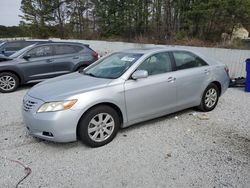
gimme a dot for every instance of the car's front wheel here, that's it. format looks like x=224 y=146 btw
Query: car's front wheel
x=9 y=82
x=210 y=98
x=98 y=126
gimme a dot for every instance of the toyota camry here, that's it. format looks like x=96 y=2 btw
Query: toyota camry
x=122 y=89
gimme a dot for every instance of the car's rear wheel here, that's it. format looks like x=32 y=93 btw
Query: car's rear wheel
x=210 y=98
x=98 y=126
x=9 y=82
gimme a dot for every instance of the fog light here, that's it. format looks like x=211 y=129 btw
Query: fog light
x=47 y=134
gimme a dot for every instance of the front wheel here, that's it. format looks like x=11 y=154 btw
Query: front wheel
x=210 y=98
x=9 y=82
x=98 y=126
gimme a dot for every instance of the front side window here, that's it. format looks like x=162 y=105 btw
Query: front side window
x=41 y=51
x=22 y=51
x=186 y=60
x=157 y=64
x=113 y=66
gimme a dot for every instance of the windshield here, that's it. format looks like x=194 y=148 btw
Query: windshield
x=20 y=52
x=112 y=66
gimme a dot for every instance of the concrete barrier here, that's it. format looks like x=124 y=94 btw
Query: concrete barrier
x=234 y=59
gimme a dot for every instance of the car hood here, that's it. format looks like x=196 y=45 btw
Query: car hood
x=4 y=59
x=63 y=87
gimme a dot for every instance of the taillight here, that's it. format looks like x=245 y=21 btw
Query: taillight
x=95 y=55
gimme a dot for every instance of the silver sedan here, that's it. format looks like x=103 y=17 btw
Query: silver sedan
x=122 y=89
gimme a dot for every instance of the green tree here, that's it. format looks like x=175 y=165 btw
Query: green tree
x=38 y=14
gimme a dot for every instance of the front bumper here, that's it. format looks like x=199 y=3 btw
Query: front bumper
x=58 y=126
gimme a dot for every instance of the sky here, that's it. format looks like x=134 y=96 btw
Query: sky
x=9 y=11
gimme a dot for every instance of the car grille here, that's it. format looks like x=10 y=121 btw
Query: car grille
x=28 y=105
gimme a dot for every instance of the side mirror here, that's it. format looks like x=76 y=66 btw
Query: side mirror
x=26 y=57
x=139 y=74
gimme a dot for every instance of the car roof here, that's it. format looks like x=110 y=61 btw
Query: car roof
x=55 y=42
x=154 y=50
x=45 y=42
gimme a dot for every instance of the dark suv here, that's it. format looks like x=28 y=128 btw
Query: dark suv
x=42 y=61
x=8 y=48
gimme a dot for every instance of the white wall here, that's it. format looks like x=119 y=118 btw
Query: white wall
x=234 y=59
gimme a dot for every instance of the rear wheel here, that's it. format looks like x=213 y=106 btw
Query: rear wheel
x=9 y=82
x=98 y=126
x=210 y=98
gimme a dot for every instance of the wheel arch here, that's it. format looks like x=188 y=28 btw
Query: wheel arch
x=218 y=84
x=15 y=73
x=110 y=104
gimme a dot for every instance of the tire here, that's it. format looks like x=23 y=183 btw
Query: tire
x=210 y=98
x=92 y=129
x=9 y=82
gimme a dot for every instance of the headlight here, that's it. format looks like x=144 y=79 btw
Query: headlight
x=56 y=106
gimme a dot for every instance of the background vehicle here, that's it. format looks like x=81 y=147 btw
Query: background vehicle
x=4 y=58
x=42 y=61
x=1 y=42
x=120 y=90
x=8 y=48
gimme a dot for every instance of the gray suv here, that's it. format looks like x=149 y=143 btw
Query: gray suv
x=38 y=62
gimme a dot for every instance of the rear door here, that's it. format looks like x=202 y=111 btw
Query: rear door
x=66 y=58
x=155 y=94
x=192 y=75
x=39 y=64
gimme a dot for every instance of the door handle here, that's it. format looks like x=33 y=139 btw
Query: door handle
x=171 y=79
x=76 y=57
x=206 y=71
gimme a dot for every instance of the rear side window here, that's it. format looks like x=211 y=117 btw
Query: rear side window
x=186 y=60
x=66 y=49
x=41 y=51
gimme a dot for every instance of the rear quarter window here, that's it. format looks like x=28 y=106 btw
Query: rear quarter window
x=66 y=49
x=78 y=48
x=186 y=60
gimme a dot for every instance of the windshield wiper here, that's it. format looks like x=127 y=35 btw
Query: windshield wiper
x=90 y=74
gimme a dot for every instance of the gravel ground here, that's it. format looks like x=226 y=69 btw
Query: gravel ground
x=179 y=150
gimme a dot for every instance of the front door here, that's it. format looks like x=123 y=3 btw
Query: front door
x=154 y=95
x=39 y=64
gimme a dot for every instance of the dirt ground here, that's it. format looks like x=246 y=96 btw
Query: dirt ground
x=179 y=150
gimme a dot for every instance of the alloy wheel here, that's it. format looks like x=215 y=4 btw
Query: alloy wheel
x=211 y=97
x=7 y=83
x=101 y=127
